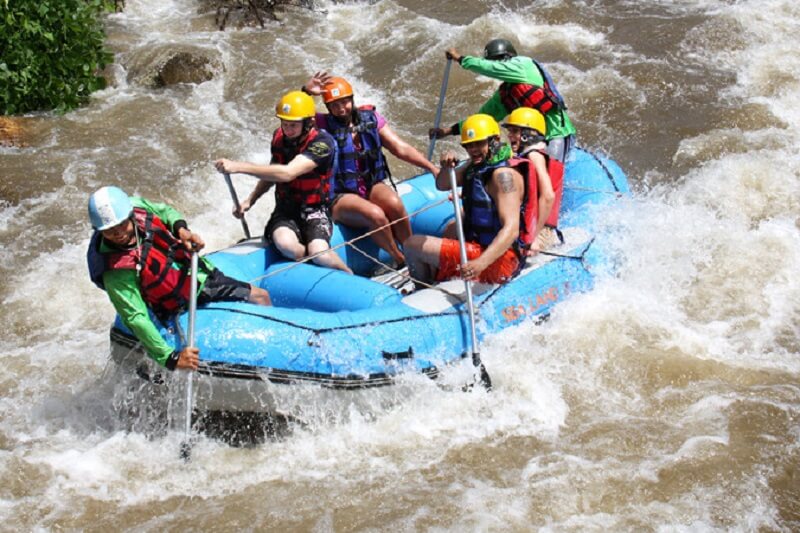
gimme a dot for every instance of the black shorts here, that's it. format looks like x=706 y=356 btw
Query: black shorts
x=307 y=224
x=221 y=288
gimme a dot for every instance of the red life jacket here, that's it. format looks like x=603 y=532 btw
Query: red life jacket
x=555 y=169
x=162 y=262
x=542 y=98
x=309 y=190
x=529 y=211
x=516 y=95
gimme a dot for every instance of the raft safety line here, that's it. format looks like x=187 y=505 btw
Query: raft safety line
x=284 y=377
x=603 y=166
x=347 y=243
x=331 y=329
x=318 y=331
x=580 y=256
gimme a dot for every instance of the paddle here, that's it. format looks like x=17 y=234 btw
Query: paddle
x=486 y=381
x=236 y=203
x=437 y=121
x=186 y=445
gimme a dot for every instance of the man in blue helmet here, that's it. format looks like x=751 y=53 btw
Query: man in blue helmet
x=140 y=254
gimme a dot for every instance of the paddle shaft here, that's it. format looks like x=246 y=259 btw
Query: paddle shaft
x=476 y=356
x=186 y=447
x=236 y=203
x=438 y=120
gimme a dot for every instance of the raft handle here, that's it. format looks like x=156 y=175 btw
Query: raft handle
x=394 y=356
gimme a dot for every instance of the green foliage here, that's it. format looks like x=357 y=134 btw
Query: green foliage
x=50 y=53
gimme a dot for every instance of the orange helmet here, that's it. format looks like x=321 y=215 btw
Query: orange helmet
x=335 y=89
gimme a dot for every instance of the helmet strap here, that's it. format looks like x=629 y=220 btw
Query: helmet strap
x=529 y=137
x=494 y=146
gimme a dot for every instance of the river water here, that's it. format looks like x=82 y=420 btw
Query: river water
x=666 y=399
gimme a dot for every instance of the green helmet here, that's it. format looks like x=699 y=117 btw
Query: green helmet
x=498 y=49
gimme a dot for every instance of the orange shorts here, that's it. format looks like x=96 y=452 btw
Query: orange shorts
x=498 y=272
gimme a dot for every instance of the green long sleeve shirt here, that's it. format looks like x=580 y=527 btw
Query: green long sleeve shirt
x=122 y=287
x=518 y=69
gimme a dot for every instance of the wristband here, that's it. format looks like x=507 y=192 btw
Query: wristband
x=303 y=88
x=172 y=360
x=455 y=129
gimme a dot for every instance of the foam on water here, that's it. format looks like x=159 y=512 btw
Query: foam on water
x=664 y=399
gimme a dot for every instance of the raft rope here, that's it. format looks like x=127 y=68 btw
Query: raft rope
x=404 y=274
x=581 y=256
x=416 y=281
x=352 y=242
x=599 y=191
x=603 y=166
x=318 y=331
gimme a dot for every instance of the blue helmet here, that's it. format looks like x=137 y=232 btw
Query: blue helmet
x=109 y=206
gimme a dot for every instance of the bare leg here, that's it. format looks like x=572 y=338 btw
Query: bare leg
x=387 y=199
x=356 y=212
x=259 y=296
x=330 y=259
x=422 y=256
x=288 y=244
x=450 y=231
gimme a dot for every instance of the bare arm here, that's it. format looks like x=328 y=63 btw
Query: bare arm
x=261 y=188
x=506 y=189
x=314 y=85
x=274 y=173
x=448 y=161
x=404 y=151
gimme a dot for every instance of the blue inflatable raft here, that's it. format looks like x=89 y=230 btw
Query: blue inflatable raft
x=331 y=336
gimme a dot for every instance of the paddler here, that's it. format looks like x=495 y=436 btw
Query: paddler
x=526 y=130
x=525 y=84
x=140 y=254
x=363 y=193
x=499 y=212
x=302 y=166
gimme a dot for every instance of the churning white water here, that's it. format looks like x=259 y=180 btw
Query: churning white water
x=665 y=399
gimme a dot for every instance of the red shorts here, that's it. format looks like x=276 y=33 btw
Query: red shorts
x=498 y=272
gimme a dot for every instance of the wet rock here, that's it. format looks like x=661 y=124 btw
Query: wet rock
x=251 y=13
x=185 y=67
x=12 y=132
x=166 y=66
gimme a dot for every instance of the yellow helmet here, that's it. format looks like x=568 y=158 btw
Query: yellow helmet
x=295 y=105
x=478 y=128
x=525 y=117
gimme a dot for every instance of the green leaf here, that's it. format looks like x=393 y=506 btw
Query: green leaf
x=51 y=50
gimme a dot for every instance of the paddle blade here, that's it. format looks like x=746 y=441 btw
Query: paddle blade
x=186 y=451
x=486 y=381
